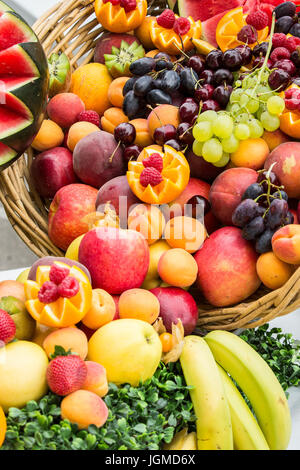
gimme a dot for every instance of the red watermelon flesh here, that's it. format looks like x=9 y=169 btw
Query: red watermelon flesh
x=10 y=122
x=10 y=83
x=14 y=31
x=15 y=61
x=6 y=154
x=209 y=28
x=205 y=9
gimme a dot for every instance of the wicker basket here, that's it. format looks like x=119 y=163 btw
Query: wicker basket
x=71 y=26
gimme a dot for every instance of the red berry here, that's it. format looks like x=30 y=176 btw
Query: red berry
x=291 y=43
x=89 y=116
x=247 y=34
x=166 y=19
x=68 y=288
x=128 y=5
x=280 y=53
x=279 y=40
x=7 y=327
x=154 y=161
x=182 y=26
x=268 y=9
x=292 y=103
x=114 y=2
x=66 y=374
x=58 y=273
x=48 y=293
x=258 y=19
x=150 y=176
x=292 y=93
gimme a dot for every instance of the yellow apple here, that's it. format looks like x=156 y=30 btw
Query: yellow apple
x=73 y=249
x=23 y=368
x=130 y=350
x=152 y=279
x=23 y=276
x=25 y=324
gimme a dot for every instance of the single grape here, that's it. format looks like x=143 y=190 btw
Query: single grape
x=277 y=212
x=275 y=105
x=231 y=144
x=223 y=126
x=253 y=191
x=279 y=80
x=203 y=131
x=289 y=219
x=269 y=121
x=197 y=148
x=223 y=161
x=264 y=242
x=236 y=95
x=212 y=150
x=252 y=106
x=256 y=128
x=232 y=59
x=244 y=213
x=252 y=230
x=244 y=99
x=242 y=131
x=207 y=116
x=281 y=195
x=214 y=59
x=264 y=93
x=243 y=118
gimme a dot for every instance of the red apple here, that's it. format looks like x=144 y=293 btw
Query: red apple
x=177 y=304
x=117 y=259
x=67 y=210
x=51 y=170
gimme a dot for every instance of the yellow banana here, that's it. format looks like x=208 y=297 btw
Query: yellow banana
x=247 y=434
x=258 y=382
x=214 y=431
x=190 y=442
x=183 y=441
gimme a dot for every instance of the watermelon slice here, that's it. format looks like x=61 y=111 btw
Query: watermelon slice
x=209 y=28
x=205 y=9
x=6 y=154
x=14 y=31
x=15 y=61
x=11 y=122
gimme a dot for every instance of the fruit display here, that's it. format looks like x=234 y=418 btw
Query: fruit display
x=169 y=165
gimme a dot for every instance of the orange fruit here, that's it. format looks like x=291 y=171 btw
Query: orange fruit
x=166 y=341
x=2 y=426
x=115 y=19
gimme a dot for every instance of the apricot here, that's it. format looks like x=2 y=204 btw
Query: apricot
x=12 y=288
x=156 y=250
x=252 y=153
x=49 y=136
x=111 y=118
x=143 y=138
x=273 y=272
x=84 y=408
x=139 y=304
x=178 y=268
x=143 y=33
x=152 y=53
x=148 y=220
x=96 y=380
x=286 y=244
x=102 y=311
x=68 y=338
x=78 y=131
x=185 y=232
x=275 y=138
x=161 y=115
x=64 y=109
x=115 y=91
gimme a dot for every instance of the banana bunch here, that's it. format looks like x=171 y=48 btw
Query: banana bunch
x=224 y=420
x=183 y=441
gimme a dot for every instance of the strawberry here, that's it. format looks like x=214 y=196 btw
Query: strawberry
x=7 y=327
x=66 y=374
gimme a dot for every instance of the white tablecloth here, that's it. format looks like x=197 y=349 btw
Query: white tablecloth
x=289 y=324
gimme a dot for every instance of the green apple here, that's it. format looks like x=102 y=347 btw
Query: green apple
x=130 y=350
x=25 y=324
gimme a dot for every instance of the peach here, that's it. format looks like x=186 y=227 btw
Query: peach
x=252 y=153
x=70 y=204
x=84 y=408
x=143 y=138
x=185 y=232
x=78 y=131
x=139 y=304
x=178 y=268
x=64 y=109
x=273 y=272
x=49 y=136
x=227 y=190
x=68 y=338
x=287 y=168
x=227 y=268
x=115 y=91
x=286 y=244
x=12 y=288
x=117 y=192
x=102 y=311
x=96 y=380
x=111 y=118
x=275 y=138
x=161 y=115
x=148 y=220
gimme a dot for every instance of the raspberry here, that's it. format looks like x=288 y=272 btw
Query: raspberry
x=291 y=43
x=292 y=93
x=181 y=26
x=58 y=273
x=258 y=19
x=69 y=287
x=128 y=5
x=113 y=2
x=48 y=293
x=66 y=374
x=89 y=116
x=268 y=9
x=154 y=161
x=166 y=19
x=150 y=176
x=247 y=34
x=7 y=327
x=292 y=103
x=279 y=40
x=280 y=53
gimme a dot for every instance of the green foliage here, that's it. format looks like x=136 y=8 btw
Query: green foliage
x=139 y=418
x=60 y=351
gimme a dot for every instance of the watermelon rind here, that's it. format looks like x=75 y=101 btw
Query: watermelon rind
x=22 y=31
x=6 y=154
x=4 y=7
x=19 y=60
x=6 y=116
